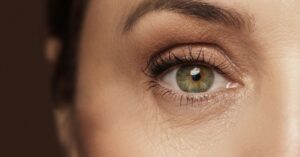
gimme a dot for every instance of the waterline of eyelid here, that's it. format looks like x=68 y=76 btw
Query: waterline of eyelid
x=200 y=98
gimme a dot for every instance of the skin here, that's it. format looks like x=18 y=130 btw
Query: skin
x=114 y=114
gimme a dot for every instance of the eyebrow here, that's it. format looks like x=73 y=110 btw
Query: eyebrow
x=192 y=8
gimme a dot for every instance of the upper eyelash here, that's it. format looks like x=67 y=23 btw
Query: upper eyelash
x=158 y=65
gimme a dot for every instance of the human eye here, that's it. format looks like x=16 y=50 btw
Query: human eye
x=195 y=75
x=196 y=78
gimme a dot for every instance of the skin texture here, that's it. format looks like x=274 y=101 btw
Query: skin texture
x=116 y=114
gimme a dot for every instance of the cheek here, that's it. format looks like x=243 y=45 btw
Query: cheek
x=111 y=111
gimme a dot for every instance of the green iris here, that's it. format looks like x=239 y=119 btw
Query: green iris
x=195 y=79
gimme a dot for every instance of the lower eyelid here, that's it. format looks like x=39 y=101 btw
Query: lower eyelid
x=176 y=103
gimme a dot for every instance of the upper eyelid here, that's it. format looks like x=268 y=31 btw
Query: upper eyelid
x=171 y=55
x=208 y=55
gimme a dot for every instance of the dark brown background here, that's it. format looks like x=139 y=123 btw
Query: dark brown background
x=26 y=128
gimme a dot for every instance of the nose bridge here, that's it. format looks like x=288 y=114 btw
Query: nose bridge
x=286 y=78
x=290 y=101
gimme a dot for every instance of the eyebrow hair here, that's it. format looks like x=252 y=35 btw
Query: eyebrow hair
x=193 y=8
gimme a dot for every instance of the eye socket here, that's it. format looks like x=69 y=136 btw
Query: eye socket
x=195 y=79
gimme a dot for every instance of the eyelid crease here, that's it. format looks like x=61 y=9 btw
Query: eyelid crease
x=162 y=35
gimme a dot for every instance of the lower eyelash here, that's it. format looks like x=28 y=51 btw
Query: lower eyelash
x=170 y=93
x=187 y=99
x=185 y=109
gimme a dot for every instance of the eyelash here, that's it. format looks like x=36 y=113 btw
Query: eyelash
x=158 y=67
x=158 y=64
x=208 y=55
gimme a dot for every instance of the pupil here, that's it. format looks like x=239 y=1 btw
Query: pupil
x=196 y=77
x=196 y=74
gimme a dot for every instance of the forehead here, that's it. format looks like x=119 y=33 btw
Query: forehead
x=275 y=21
x=284 y=11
